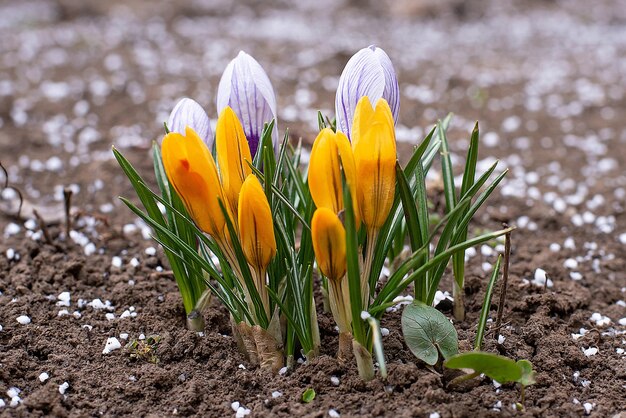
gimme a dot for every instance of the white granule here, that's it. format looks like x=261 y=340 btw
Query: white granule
x=63 y=387
x=112 y=344
x=334 y=380
x=570 y=263
x=591 y=351
x=600 y=319
x=116 y=262
x=64 y=299
x=23 y=319
x=43 y=377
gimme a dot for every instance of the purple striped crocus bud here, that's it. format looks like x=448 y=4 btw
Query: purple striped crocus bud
x=368 y=73
x=245 y=87
x=188 y=112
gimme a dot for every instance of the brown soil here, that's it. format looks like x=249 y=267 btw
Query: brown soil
x=190 y=374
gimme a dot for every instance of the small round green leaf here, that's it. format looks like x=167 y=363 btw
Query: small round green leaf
x=528 y=375
x=308 y=395
x=427 y=332
x=498 y=368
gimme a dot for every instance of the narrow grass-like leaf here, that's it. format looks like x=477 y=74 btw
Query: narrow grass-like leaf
x=377 y=342
x=394 y=287
x=244 y=269
x=469 y=174
x=409 y=209
x=353 y=272
x=484 y=312
x=446 y=170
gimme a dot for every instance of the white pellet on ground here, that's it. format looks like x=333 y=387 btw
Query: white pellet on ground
x=334 y=380
x=63 y=387
x=570 y=263
x=600 y=319
x=64 y=299
x=591 y=351
x=540 y=278
x=23 y=319
x=333 y=413
x=112 y=344
x=43 y=377
x=276 y=394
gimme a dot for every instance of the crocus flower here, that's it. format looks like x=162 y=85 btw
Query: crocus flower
x=233 y=155
x=188 y=112
x=330 y=154
x=256 y=227
x=245 y=87
x=374 y=146
x=368 y=73
x=329 y=243
x=190 y=168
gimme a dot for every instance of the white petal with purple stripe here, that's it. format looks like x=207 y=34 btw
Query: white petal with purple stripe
x=188 y=112
x=245 y=87
x=368 y=73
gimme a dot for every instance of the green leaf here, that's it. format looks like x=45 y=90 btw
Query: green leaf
x=377 y=340
x=528 y=375
x=428 y=333
x=446 y=170
x=308 y=395
x=498 y=368
x=484 y=312
x=353 y=271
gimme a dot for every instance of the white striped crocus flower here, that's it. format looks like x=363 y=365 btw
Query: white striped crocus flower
x=188 y=112
x=368 y=73
x=246 y=88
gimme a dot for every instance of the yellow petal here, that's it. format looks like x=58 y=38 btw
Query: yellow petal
x=256 y=227
x=349 y=169
x=375 y=160
x=233 y=154
x=324 y=172
x=191 y=170
x=329 y=243
x=363 y=115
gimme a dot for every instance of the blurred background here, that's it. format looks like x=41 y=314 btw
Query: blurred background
x=546 y=80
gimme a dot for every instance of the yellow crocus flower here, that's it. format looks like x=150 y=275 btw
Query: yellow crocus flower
x=329 y=243
x=233 y=154
x=374 y=146
x=331 y=152
x=190 y=168
x=256 y=227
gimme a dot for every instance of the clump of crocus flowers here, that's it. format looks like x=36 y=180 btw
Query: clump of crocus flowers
x=244 y=222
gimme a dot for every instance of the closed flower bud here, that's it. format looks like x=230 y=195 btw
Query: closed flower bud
x=233 y=155
x=256 y=228
x=330 y=154
x=375 y=157
x=245 y=87
x=188 y=112
x=191 y=170
x=368 y=73
x=329 y=243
